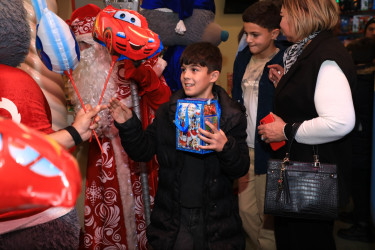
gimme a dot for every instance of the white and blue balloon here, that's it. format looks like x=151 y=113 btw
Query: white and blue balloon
x=55 y=42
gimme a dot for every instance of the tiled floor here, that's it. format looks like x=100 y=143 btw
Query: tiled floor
x=342 y=244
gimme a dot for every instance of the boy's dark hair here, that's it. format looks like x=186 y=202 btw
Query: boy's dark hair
x=204 y=54
x=263 y=13
x=372 y=20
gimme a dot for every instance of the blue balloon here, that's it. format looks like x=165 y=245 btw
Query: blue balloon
x=56 y=44
x=39 y=6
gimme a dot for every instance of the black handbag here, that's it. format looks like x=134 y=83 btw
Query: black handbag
x=301 y=189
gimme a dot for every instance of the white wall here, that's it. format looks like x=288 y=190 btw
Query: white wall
x=233 y=24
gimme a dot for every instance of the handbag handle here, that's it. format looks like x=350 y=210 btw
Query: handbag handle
x=295 y=127
x=283 y=180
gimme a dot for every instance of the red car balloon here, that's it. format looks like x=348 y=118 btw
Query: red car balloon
x=35 y=172
x=125 y=33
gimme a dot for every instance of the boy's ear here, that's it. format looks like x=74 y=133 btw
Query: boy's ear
x=214 y=75
x=275 y=33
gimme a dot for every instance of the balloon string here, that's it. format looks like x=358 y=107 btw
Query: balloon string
x=114 y=59
x=83 y=105
x=75 y=88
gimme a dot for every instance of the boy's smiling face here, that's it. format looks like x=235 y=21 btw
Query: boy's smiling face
x=259 y=39
x=197 y=82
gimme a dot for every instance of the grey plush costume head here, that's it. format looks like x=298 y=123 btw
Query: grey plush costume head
x=14 y=33
x=200 y=27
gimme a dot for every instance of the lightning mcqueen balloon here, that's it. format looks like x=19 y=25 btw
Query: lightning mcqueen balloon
x=35 y=172
x=125 y=33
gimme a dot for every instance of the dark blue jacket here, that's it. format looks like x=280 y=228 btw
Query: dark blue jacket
x=184 y=8
x=265 y=99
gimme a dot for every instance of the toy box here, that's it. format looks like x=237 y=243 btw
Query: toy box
x=191 y=114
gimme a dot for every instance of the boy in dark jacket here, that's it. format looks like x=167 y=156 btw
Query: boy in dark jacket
x=195 y=207
x=253 y=88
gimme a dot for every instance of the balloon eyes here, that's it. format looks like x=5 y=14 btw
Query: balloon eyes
x=39 y=165
x=128 y=17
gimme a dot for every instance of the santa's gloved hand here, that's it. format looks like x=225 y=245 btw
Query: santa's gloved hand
x=180 y=28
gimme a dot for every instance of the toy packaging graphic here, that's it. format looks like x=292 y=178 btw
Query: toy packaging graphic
x=191 y=114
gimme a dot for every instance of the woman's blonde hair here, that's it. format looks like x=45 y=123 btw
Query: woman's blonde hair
x=308 y=16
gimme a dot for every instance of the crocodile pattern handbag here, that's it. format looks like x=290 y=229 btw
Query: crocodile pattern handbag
x=301 y=189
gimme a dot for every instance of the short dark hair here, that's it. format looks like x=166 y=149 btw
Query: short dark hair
x=372 y=20
x=204 y=54
x=362 y=50
x=263 y=13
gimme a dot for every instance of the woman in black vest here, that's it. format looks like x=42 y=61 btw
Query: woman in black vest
x=314 y=89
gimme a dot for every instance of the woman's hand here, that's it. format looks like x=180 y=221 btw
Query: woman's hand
x=275 y=73
x=272 y=132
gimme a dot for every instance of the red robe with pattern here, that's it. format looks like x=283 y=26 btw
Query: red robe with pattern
x=105 y=218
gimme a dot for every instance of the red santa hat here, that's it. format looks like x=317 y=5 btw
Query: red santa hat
x=82 y=22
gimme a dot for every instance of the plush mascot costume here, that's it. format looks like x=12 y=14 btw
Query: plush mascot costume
x=51 y=83
x=22 y=100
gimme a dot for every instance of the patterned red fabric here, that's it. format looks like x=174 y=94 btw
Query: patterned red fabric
x=82 y=20
x=104 y=215
x=151 y=87
x=152 y=171
x=104 y=212
x=104 y=221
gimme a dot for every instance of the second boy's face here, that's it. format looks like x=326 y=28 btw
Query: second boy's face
x=197 y=82
x=259 y=39
x=370 y=31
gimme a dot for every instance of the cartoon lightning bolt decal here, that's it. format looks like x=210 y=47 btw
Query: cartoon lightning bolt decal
x=11 y=108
